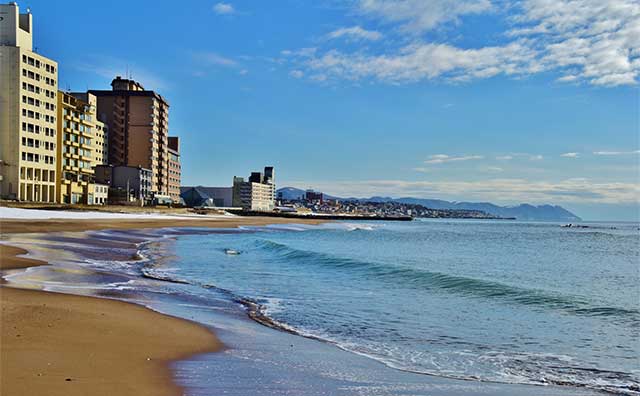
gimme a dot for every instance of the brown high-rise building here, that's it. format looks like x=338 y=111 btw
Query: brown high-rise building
x=138 y=129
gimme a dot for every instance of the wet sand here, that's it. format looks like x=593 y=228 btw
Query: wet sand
x=60 y=344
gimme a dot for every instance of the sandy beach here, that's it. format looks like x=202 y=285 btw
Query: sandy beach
x=59 y=344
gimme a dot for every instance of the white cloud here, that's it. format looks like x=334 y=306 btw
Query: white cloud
x=570 y=155
x=592 y=41
x=296 y=73
x=418 y=16
x=354 y=33
x=223 y=9
x=425 y=61
x=616 y=152
x=504 y=157
x=443 y=158
x=577 y=190
x=213 y=59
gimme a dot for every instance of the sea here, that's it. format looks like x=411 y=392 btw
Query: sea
x=378 y=308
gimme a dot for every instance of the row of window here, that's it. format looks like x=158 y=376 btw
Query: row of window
x=29 y=142
x=77 y=139
x=36 y=102
x=76 y=114
x=28 y=127
x=76 y=126
x=77 y=163
x=36 y=62
x=36 y=115
x=37 y=77
x=77 y=151
x=37 y=174
x=37 y=90
x=32 y=157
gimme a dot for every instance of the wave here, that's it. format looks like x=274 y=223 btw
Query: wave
x=461 y=285
x=518 y=368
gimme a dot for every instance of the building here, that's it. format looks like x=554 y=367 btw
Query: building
x=80 y=147
x=28 y=102
x=207 y=196
x=100 y=194
x=99 y=130
x=127 y=183
x=138 y=122
x=313 y=196
x=174 y=168
x=258 y=193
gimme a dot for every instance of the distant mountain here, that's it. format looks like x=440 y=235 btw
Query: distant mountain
x=520 y=212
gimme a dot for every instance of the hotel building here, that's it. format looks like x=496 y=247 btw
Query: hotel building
x=256 y=194
x=80 y=146
x=28 y=102
x=138 y=122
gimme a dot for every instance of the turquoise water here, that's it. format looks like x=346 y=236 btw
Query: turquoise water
x=490 y=301
x=530 y=303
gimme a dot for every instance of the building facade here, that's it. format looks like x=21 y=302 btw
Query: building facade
x=28 y=102
x=127 y=183
x=75 y=149
x=256 y=194
x=174 y=168
x=138 y=122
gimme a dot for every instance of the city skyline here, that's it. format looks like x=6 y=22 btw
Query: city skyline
x=468 y=100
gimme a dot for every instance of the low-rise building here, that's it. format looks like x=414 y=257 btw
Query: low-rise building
x=256 y=194
x=207 y=196
x=100 y=194
x=128 y=183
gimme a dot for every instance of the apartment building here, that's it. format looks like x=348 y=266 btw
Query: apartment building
x=28 y=112
x=174 y=168
x=138 y=122
x=258 y=193
x=79 y=148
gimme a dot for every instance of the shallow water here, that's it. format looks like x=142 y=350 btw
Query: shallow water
x=506 y=302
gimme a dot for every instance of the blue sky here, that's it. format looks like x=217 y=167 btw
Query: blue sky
x=504 y=101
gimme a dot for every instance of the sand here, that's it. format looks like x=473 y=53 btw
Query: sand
x=59 y=344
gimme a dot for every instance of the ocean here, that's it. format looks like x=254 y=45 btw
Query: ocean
x=485 y=302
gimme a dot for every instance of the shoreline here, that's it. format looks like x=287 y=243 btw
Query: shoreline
x=64 y=344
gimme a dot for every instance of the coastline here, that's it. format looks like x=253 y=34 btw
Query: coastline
x=62 y=344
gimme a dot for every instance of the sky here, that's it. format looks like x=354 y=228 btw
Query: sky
x=506 y=101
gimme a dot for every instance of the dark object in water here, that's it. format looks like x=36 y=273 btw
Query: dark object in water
x=231 y=252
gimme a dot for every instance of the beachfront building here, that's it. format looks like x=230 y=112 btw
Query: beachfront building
x=256 y=194
x=28 y=127
x=174 y=168
x=138 y=122
x=80 y=137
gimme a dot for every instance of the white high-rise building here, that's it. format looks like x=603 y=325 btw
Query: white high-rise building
x=28 y=101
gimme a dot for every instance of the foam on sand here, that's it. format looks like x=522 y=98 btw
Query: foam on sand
x=38 y=214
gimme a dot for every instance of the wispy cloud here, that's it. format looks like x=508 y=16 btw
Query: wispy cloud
x=443 y=158
x=504 y=157
x=585 y=41
x=417 y=16
x=296 y=73
x=109 y=67
x=209 y=58
x=576 y=190
x=616 y=152
x=354 y=33
x=570 y=155
x=223 y=9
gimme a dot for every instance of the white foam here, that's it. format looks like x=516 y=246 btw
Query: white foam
x=37 y=214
